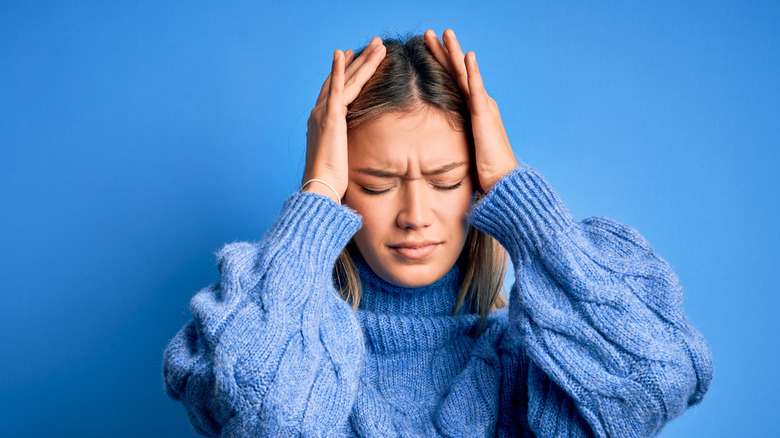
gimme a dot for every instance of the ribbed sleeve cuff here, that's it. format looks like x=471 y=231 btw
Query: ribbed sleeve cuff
x=314 y=228
x=521 y=211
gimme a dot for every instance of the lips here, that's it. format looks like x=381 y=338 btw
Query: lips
x=414 y=250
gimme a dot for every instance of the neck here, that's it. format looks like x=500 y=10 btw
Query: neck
x=437 y=298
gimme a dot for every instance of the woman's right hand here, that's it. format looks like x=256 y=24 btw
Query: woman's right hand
x=326 y=135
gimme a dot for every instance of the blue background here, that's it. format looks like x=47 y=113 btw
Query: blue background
x=138 y=139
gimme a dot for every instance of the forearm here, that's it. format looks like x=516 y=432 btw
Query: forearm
x=598 y=311
x=266 y=341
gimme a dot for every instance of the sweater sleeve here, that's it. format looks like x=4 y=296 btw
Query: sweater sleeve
x=598 y=313
x=272 y=350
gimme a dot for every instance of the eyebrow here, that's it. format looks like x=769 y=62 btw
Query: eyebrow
x=385 y=174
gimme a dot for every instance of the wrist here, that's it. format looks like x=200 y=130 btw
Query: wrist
x=321 y=188
x=488 y=182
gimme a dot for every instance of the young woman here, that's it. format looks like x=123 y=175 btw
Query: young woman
x=371 y=306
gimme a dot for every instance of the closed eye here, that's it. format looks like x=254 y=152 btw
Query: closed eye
x=452 y=187
x=437 y=187
x=374 y=192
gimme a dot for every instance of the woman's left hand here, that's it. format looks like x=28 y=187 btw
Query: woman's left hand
x=494 y=156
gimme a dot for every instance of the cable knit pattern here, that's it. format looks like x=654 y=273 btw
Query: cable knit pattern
x=595 y=341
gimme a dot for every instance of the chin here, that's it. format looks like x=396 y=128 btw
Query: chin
x=413 y=276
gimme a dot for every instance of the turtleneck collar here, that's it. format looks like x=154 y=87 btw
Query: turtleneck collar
x=437 y=298
x=397 y=319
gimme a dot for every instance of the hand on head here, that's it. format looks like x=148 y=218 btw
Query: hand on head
x=326 y=153
x=326 y=144
x=493 y=153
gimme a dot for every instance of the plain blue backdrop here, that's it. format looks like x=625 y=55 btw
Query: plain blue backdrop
x=139 y=138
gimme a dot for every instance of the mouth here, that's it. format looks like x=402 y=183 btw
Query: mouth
x=414 y=250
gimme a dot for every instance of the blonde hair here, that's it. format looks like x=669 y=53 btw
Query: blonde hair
x=408 y=79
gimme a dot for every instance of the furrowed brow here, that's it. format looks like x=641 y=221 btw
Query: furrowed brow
x=379 y=173
x=446 y=168
x=385 y=174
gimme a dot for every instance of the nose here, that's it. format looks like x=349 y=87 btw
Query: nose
x=415 y=211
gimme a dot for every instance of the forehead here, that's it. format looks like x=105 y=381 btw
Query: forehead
x=419 y=140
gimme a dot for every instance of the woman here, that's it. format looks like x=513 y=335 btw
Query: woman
x=371 y=306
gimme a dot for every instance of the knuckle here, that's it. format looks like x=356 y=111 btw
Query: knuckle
x=316 y=113
x=331 y=121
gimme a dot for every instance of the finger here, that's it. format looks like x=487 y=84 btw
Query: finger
x=323 y=90
x=354 y=84
x=480 y=100
x=363 y=57
x=438 y=49
x=336 y=89
x=457 y=60
x=477 y=92
x=348 y=57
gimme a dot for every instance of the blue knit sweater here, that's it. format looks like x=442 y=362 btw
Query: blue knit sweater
x=594 y=342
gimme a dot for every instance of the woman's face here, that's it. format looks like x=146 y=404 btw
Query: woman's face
x=410 y=179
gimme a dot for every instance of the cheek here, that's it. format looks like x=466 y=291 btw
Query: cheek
x=459 y=206
x=375 y=220
x=458 y=211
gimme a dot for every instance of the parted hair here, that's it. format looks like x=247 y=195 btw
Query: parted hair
x=408 y=79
